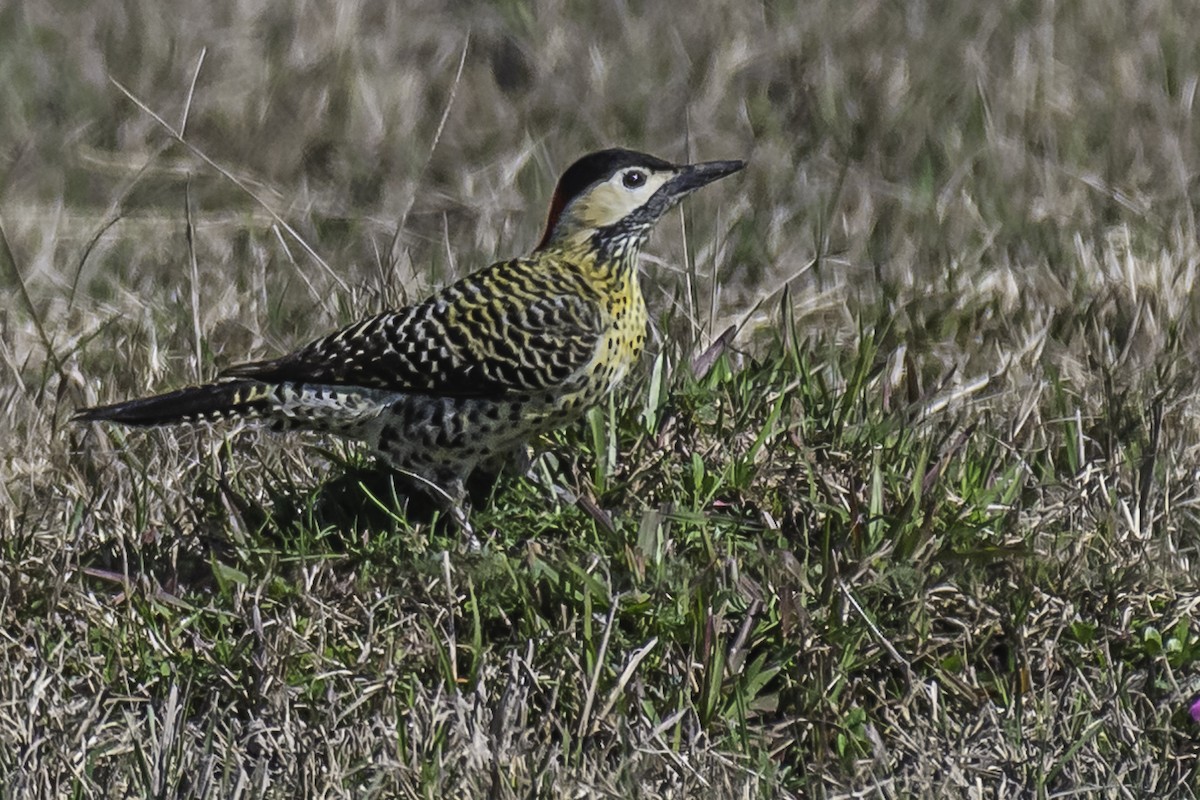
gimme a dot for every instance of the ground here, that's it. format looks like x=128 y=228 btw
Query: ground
x=902 y=502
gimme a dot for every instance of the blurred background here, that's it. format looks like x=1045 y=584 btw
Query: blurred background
x=959 y=170
x=988 y=155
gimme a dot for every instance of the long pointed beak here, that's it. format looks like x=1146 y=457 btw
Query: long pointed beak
x=692 y=176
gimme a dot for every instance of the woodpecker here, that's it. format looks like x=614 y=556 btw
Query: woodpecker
x=463 y=380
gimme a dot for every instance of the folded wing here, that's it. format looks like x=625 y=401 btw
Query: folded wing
x=490 y=334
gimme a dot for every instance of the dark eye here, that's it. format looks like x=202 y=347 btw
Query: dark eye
x=634 y=178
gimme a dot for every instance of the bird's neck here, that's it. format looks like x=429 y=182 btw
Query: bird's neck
x=604 y=255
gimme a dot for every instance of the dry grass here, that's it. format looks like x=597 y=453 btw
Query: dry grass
x=929 y=528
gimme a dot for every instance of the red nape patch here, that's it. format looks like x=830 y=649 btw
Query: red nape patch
x=589 y=170
x=557 y=204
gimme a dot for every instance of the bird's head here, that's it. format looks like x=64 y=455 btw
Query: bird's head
x=617 y=195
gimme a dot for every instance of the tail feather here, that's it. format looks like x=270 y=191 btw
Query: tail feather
x=213 y=401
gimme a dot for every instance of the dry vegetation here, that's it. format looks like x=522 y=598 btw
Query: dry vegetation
x=928 y=528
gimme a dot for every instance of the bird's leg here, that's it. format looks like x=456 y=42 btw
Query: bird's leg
x=516 y=461
x=453 y=495
x=520 y=460
x=446 y=489
x=450 y=492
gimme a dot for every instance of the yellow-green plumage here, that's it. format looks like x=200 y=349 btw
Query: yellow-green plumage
x=464 y=378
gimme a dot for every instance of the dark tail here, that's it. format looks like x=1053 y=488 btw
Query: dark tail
x=212 y=401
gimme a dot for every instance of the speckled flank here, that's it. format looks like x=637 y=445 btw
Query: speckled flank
x=465 y=378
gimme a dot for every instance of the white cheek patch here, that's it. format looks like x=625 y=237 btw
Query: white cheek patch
x=612 y=201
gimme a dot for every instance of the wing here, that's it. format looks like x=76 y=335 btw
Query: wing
x=505 y=329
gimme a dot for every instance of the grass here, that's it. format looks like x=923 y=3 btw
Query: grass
x=924 y=524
